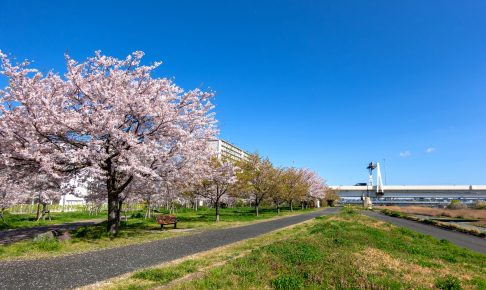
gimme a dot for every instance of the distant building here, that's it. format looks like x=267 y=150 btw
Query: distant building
x=69 y=199
x=224 y=149
x=77 y=198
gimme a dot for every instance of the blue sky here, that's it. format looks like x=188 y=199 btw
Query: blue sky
x=330 y=85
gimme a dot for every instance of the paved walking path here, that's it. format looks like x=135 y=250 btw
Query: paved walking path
x=15 y=235
x=461 y=239
x=83 y=269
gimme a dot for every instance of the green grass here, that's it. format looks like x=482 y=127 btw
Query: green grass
x=190 y=218
x=135 y=230
x=13 y=221
x=164 y=275
x=349 y=251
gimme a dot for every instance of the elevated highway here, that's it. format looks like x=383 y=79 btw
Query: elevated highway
x=413 y=194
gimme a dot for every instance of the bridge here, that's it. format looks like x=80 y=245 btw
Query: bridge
x=412 y=194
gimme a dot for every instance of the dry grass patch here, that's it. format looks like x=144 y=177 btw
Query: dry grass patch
x=481 y=223
x=377 y=224
x=377 y=262
x=439 y=212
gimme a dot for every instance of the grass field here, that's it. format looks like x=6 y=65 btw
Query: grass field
x=345 y=251
x=135 y=230
x=14 y=221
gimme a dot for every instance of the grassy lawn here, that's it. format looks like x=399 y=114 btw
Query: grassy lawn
x=136 y=230
x=14 y=221
x=345 y=251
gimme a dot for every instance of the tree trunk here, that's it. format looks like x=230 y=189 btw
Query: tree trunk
x=291 y=206
x=217 y=211
x=257 y=207
x=42 y=213
x=147 y=212
x=38 y=208
x=278 y=208
x=118 y=213
x=112 y=226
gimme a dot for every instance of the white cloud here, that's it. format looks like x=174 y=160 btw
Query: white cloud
x=430 y=150
x=405 y=153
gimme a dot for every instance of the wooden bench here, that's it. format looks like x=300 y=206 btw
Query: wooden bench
x=166 y=219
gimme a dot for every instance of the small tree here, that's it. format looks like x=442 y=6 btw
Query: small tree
x=332 y=197
x=294 y=187
x=277 y=190
x=255 y=179
x=315 y=186
x=220 y=179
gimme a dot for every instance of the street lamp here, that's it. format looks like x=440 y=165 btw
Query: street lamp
x=367 y=199
x=370 y=168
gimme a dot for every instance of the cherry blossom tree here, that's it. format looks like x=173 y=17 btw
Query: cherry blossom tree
x=254 y=179
x=220 y=178
x=277 y=183
x=108 y=117
x=331 y=196
x=294 y=187
x=10 y=192
x=26 y=181
x=315 y=186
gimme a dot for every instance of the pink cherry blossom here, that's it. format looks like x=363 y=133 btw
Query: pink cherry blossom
x=107 y=117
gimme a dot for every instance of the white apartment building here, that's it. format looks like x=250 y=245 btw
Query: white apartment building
x=224 y=149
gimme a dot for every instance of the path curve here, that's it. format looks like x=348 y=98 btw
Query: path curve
x=460 y=239
x=83 y=269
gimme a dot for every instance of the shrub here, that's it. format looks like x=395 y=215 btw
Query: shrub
x=456 y=204
x=448 y=283
x=392 y=213
x=479 y=204
x=138 y=215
